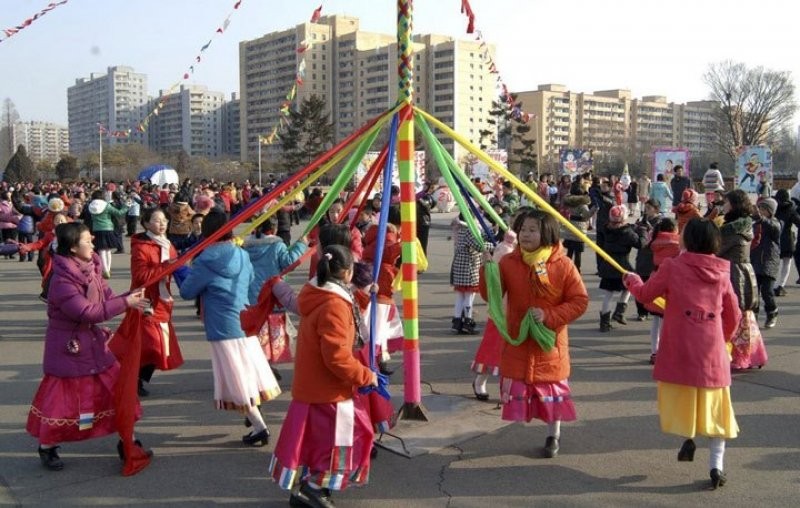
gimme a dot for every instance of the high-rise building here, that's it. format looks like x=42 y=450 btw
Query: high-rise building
x=355 y=72
x=191 y=119
x=231 y=141
x=42 y=140
x=117 y=100
x=612 y=121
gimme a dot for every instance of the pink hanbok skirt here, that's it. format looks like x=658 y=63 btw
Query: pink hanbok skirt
x=548 y=402
x=325 y=444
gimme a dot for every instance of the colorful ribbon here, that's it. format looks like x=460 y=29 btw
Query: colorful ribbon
x=10 y=32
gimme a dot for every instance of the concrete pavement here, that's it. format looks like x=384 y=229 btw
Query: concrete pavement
x=613 y=455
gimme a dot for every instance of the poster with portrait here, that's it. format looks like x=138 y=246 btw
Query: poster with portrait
x=370 y=157
x=575 y=161
x=665 y=160
x=753 y=168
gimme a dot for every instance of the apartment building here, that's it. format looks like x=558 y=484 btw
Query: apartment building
x=231 y=141
x=42 y=140
x=191 y=119
x=355 y=72
x=611 y=120
x=117 y=99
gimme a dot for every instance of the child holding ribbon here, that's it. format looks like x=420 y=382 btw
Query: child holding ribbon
x=544 y=294
x=326 y=439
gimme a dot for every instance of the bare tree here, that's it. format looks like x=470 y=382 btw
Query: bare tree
x=10 y=118
x=752 y=101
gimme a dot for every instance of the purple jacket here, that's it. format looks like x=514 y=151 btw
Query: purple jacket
x=77 y=301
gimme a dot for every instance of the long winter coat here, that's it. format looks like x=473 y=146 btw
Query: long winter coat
x=700 y=316
x=644 y=256
x=563 y=299
x=104 y=214
x=78 y=300
x=789 y=218
x=618 y=244
x=578 y=213
x=146 y=262
x=765 y=257
x=467 y=259
x=269 y=256
x=735 y=247
x=661 y=192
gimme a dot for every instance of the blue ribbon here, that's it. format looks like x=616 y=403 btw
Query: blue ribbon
x=477 y=213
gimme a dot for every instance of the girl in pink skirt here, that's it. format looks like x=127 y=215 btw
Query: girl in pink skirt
x=326 y=438
x=542 y=287
x=487 y=357
x=75 y=400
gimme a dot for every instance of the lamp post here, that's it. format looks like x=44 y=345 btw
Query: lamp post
x=100 y=135
x=259 y=162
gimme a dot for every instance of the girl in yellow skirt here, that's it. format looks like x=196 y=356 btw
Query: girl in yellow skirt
x=693 y=366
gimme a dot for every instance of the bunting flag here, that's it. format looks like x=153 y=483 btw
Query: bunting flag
x=9 y=32
x=284 y=111
x=142 y=127
x=514 y=110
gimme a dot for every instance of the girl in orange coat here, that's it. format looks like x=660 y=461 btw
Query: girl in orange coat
x=326 y=439
x=540 y=281
x=149 y=252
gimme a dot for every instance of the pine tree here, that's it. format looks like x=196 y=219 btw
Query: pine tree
x=67 y=168
x=524 y=153
x=498 y=135
x=20 y=168
x=184 y=163
x=309 y=134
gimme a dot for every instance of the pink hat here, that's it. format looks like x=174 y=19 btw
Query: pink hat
x=203 y=203
x=617 y=214
x=690 y=196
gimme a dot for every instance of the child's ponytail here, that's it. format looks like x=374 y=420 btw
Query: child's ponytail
x=335 y=260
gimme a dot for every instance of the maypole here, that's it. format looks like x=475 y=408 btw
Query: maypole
x=412 y=407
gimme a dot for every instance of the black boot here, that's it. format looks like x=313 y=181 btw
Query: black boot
x=50 y=458
x=686 y=453
x=457 y=325
x=253 y=439
x=619 y=313
x=468 y=326
x=718 y=478
x=317 y=498
x=141 y=390
x=384 y=369
x=605 y=322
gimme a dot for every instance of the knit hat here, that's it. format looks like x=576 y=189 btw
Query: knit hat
x=617 y=214
x=55 y=205
x=203 y=203
x=690 y=196
x=770 y=204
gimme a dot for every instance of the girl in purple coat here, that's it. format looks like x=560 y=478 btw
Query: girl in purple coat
x=693 y=370
x=75 y=398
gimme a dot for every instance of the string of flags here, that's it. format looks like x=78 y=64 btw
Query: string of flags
x=164 y=99
x=10 y=32
x=112 y=134
x=515 y=110
x=286 y=104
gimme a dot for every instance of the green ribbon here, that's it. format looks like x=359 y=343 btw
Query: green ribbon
x=529 y=327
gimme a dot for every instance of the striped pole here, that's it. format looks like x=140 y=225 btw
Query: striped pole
x=412 y=407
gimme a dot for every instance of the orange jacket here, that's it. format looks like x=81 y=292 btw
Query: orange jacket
x=563 y=300
x=325 y=368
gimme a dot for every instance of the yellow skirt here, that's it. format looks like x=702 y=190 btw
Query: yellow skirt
x=688 y=411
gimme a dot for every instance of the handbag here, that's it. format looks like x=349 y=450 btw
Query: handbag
x=745 y=335
x=268 y=321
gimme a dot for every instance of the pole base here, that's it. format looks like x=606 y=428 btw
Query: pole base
x=413 y=411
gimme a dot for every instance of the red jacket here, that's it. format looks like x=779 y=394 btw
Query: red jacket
x=392 y=249
x=325 y=368
x=665 y=245
x=563 y=300
x=701 y=314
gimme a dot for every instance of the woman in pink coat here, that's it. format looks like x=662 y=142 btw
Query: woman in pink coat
x=75 y=398
x=693 y=369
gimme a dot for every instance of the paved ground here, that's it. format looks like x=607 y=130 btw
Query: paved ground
x=613 y=455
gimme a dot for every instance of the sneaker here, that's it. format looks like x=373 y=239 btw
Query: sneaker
x=772 y=320
x=641 y=317
x=780 y=291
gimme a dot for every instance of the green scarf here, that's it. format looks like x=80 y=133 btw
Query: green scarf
x=529 y=327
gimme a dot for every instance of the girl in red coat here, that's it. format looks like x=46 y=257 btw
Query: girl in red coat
x=693 y=370
x=326 y=439
x=149 y=252
x=543 y=286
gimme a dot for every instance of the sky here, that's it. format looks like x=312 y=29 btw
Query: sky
x=651 y=47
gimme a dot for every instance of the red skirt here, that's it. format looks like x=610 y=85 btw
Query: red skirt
x=487 y=357
x=326 y=444
x=548 y=402
x=74 y=408
x=381 y=411
x=160 y=345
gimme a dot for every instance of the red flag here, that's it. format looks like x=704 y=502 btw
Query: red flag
x=317 y=14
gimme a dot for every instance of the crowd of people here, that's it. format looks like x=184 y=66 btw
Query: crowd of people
x=736 y=256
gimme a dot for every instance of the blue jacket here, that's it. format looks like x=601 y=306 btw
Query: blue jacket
x=220 y=276
x=269 y=256
x=661 y=192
